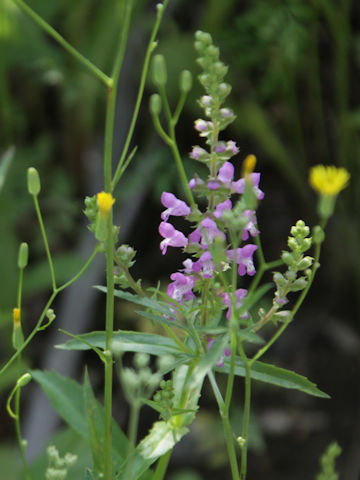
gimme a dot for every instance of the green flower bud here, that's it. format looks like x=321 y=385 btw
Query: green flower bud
x=24 y=380
x=185 y=81
x=155 y=104
x=23 y=255
x=299 y=284
x=141 y=360
x=318 y=234
x=213 y=52
x=159 y=70
x=279 y=279
x=203 y=37
x=33 y=181
x=305 y=263
x=287 y=258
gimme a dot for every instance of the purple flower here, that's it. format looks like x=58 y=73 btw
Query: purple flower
x=244 y=259
x=221 y=207
x=207 y=265
x=194 y=182
x=239 y=185
x=209 y=231
x=181 y=287
x=213 y=185
x=250 y=227
x=172 y=237
x=195 y=236
x=240 y=294
x=198 y=152
x=174 y=206
x=231 y=145
x=226 y=172
x=220 y=147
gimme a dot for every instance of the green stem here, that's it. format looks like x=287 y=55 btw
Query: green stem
x=132 y=432
x=42 y=316
x=66 y=45
x=144 y=72
x=18 y=427
x=246 y=417
x=21 y=275
x=109 y=326
x=45 y=240
x=162 y=465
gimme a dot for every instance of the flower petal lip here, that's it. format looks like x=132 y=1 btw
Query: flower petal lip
x=328 y=180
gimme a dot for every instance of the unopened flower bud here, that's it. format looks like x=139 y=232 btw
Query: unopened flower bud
x=17 y=335
x=203 y=37
x=318 y=234
x=141 y=360
x=305 y=263
x=33 y=181
x=155 y=104
x=249 y=165
x=185 y=81
x=24 y=380
x=159 y=70
x=299 y=284
x=23 y=255
x=287 y=258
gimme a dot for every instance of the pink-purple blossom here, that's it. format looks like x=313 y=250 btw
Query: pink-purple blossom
x=221 y=207
x=172 y=237
x=227 y=352
x=209 y=231
x=250 y=227
x=239 y=185
x=181 y=287
x=244 y=259
x=174 y=206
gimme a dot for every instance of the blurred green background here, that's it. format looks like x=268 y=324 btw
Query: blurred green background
x=294 y=69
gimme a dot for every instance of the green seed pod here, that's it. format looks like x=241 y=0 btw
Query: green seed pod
x=185 y=81
x=155 y=104
x=33 y=181
x=159 y=70
x=305 y=263
x=23 y=255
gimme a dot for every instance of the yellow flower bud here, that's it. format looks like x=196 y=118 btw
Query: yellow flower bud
x=105 y=202
x=249 y=165
x=16 y=316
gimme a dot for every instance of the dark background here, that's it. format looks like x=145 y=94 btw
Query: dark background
x=294 y=69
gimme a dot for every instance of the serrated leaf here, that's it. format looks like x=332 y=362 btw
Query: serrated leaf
x=128 y=341
x=162 y=437
x=281 y=377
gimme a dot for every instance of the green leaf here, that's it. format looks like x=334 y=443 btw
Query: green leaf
x=162 y=437
x=95 y=422
x=143 y=301
x=128 y=341
x=5 y=162
x=66 y=396
x=280 y=377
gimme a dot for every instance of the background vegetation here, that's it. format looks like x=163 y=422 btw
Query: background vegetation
x=294 y=67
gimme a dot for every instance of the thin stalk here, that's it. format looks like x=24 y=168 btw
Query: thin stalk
x=246 y=417
x=81 y=271
x=144 y=72
x=162 y=465
x=45 y=240
x=65 y=44
x=109 y=326
x=132 y=432
x=18 y=427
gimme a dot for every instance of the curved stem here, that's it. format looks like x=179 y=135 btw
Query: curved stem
x=65 y=44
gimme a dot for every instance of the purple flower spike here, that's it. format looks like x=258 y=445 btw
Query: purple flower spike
x=226 y=173
x=209 y=231
x=172 y=237
x=221 y=207
x=244 y=259
x=174 y=206
x=181 y=287
x=240 y=294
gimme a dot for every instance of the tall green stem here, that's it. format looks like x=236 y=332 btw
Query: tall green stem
x=66 y=45
x=246 y=417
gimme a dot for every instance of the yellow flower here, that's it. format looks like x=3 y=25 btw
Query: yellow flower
x=248 y=165
x=328 y=180
x=105 y=201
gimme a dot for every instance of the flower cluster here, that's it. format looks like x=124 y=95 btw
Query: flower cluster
x=215 y=242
